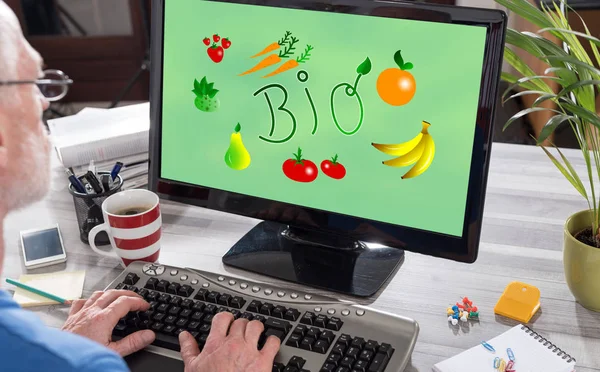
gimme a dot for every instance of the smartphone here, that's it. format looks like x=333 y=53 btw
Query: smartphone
x=42 y=247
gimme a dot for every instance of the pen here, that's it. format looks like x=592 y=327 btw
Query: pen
x=488 y=346
x=116 y=169
x=96 y=185
x=75 y=182
x=38 y=292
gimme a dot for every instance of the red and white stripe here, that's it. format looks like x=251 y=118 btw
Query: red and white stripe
x=137 y=238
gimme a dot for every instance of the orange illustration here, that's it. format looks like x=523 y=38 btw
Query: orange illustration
x=397 y=86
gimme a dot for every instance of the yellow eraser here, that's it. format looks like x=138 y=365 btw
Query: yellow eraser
x=520 y=301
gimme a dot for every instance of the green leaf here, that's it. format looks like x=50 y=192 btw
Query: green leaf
x=574 y=174
x=510 y=78
x=584 y=114
x=541 y=99
x=398 y=59
x=528 y=111
x=590 y=38
x=576 y=85
x=562 y=169
x=526 y=10
x=213 y=93
x=523 y=93
x=407 y=66
x=238 y=127
x=210 y=87
x=533 y=80
x=551 y=126
x=203 y=85
x=365 y=67
x=197 y=85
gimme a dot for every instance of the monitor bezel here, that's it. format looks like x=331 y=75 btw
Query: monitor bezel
x=463 y=248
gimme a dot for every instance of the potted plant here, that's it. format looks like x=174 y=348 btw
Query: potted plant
x=572 y=69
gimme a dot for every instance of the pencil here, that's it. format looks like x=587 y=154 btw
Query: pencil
x=38 y=292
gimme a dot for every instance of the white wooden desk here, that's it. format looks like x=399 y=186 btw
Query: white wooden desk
x=527 y=203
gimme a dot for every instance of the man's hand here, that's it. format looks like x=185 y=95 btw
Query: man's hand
x=96 y=318
x=236 y=351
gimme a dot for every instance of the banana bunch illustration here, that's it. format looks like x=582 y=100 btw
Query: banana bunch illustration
x=418 y=151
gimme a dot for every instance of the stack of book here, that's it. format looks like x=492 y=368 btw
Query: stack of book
x=105 y=136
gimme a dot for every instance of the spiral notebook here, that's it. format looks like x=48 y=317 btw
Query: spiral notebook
x=533 y=353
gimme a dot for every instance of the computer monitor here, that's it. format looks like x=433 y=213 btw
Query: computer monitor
x=354 y=129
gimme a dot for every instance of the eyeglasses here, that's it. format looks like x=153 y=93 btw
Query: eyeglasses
x=54 y=85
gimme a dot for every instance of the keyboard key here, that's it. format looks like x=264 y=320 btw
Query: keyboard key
x=247 y=315
x=358 y=342
x=195 y=334
x=159 y=317
x=170 y=319
x=260 y=318
x=291 y=314
x=176 y=301
x=198 y=306
x=281 y=325
x=353 y=352
x=379 y=363
x=290 y=369
x=194 y=326
x=386 y=349
x=169 y=329
x=237 y=302
x=339 y=349
x=208 y=318
x=197 y=316
x=278 y=311
x=163 y=308
x=335 y=324
x=151 y=283
x=333 y=359
x=321 y=346
x=327 y=336
x=328 y=367
x=314 y=333
x=266 y=309
x=345 y=339
x=347 y=362
x=307 y=318
x=146 y=314
x=278 y=367
x=143 y=292
x=167 y=341
x=275 y=332
x=157 y=327
x=307 y=343
x=210 y=309
x=254 y=306
x=120 y=329
x=202 y=339
x=204 y=328
x=294 y=340
x=222 y=309
x=360 y=366
x=321 y=321
x=185 y=313
x=297 y=362
x=120 y=286
x=185 y=291
x=213 y=297
x=152 y=296
x=153 y=305
x=300 y=330
x=224 y=299
x=173 y=288
x=236 y=314
x=175 y=310
x=178 y=331
x=371 y=346
x=162 y=285
x=131 y=279
x=164 y=298
x=187 y=303
x=201 y=295
x=144 y=324
x=342 y=369
x=366 y=355
x=182 y=322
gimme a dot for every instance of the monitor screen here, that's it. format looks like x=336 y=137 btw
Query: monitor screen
x=364 y=116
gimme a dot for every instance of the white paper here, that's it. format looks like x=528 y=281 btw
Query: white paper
x=67 y=285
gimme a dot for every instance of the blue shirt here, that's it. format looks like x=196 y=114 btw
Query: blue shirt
x=27 y=345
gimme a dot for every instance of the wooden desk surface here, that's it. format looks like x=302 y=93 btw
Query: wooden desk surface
x=527 y=203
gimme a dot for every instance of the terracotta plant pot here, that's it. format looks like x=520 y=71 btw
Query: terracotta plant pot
x=582 y=263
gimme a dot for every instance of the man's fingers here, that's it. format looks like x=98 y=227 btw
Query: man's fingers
x=189 y=348
x=109 y=296
x=253 y=331
x=271 y=348
x=123 y=305
x=132 y=343
x=238 y=328
x=93 y=298
x=76 y=306
x=220 y=326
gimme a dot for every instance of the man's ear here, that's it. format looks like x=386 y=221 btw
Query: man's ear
x=3 y=151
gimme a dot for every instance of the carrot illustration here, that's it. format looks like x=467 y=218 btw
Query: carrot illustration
x=274 y=46
x=292 y=63
x=274 y=59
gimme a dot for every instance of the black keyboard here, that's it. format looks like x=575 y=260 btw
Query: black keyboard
x=317 y=333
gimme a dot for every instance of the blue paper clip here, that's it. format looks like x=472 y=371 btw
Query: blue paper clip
x=488 y=346
x=510 y=353
x=496 y=362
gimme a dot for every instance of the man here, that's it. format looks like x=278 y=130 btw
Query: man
x=85 y=342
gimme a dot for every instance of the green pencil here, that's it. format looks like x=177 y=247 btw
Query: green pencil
x=38 y=292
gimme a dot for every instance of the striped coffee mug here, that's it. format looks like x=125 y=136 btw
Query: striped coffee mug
x=133 y=223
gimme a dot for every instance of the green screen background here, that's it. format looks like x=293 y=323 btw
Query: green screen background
x=447 y=62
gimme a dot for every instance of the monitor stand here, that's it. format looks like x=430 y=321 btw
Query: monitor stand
x=315 y=259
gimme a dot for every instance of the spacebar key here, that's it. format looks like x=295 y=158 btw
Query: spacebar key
x=168 y=342
x=379 y=363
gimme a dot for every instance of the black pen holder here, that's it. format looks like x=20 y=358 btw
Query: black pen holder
x=88 y=208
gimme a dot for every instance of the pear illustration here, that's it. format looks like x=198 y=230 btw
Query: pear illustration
x=237 y=157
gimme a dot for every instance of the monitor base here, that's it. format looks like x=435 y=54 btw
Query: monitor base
x=315 y=259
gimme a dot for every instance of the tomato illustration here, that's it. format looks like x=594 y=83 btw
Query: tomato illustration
x=300 y=170
x=215 y=53
x=333 y=169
